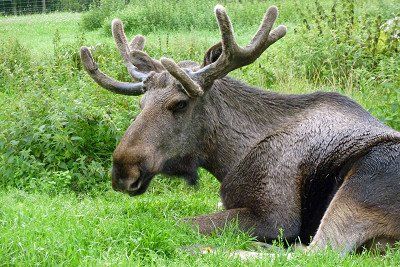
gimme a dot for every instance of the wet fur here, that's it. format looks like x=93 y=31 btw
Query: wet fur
x=284 y=161
x=313 y=165
x=284 y=168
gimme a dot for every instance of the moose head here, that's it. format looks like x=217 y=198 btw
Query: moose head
x=168 y=134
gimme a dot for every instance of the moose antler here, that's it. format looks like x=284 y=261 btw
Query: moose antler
x=124 y=88
x=136 y=60
x=137 y=42
x=229 y=56
x=233 y=56
x=138 y=63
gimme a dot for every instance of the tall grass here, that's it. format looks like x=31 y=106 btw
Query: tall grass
x=150 y=16
x=348 y=50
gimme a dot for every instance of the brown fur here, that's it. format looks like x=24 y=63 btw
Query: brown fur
x=268 y=165
x=310 y=165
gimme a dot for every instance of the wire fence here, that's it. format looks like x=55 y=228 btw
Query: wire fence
x=20 y=7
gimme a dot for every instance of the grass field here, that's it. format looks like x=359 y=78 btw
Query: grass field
x=58 y=129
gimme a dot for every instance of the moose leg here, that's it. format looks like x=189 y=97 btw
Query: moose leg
x=264 y=228
x=346 y=225
x=207 y=224
x=367 y=206
x=262 y=197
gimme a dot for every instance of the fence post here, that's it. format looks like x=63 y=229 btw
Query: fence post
x=44 y=6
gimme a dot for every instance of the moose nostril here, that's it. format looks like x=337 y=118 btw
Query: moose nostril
x=135 y=185
x=125 y=177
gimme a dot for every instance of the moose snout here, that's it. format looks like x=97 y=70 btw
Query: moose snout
x=126 y=178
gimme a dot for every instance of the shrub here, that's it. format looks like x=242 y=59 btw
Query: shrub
x=56 y=133
x=344 y=50
x=156 y=15
x=94 y=19
x=15 y=65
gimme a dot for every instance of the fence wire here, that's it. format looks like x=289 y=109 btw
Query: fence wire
x=19 y=7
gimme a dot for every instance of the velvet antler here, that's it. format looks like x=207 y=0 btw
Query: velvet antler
x=232 y=56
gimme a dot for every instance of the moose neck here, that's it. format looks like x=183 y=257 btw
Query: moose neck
x=237 y=117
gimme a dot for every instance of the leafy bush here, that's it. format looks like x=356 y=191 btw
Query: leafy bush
x=15 y=65
x=156 y=15
x=60 y=134
x=94 y=19
x=344 y=50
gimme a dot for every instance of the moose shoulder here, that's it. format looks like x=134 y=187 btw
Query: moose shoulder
x=313 y=165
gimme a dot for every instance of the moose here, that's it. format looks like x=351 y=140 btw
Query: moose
x=317 y=166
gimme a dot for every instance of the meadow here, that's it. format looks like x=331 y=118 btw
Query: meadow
x=58 y=129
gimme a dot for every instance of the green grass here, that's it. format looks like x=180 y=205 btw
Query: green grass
x=36 y=31
x=113 y=229
x=58 y=130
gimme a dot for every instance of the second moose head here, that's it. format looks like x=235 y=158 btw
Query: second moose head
x=173 y=132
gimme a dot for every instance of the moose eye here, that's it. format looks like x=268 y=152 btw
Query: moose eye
x=179 y=106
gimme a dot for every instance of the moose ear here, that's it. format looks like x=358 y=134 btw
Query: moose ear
x=212 y=54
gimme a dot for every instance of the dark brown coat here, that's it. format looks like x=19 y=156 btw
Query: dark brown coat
x=313 y=165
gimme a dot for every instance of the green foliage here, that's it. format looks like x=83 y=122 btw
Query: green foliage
x=55 y=138
x=358 y=53
x=152 y=16
x=95 y=18
x=15 y=65
x=344 y=50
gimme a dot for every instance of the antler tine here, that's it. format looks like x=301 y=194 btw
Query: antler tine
x=141 y=58
x=146 y=63
x=137 y=43
x=105 y=81
x=229 y=44
x=276 y=34
x=264 y=37
x=132 y=54
x=265 y=27
x=230 y=50
x=190 y=86
x=122 y=45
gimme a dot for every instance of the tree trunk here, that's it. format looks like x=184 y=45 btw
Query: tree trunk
x=44 y=6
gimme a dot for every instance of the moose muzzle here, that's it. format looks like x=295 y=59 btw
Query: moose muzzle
x=126 y=178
